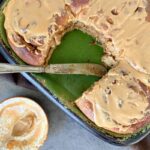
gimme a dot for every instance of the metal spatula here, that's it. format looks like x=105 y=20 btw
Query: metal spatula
x=82 y=69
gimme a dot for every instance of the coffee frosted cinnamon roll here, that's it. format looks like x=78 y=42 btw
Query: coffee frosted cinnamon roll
x=23 y=124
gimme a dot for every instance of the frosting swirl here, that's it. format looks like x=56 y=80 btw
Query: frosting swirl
x=23 y=124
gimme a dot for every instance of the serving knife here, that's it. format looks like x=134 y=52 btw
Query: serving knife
x=78 y=68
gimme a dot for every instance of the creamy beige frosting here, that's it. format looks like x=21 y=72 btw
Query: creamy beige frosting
x=124 y=22
x=117 y=99
x=107 y=17
x=23 y=124
x=132 y=37
x=123 y=28
x=32 y=19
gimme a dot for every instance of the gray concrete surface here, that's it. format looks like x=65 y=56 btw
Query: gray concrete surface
x=64 y=133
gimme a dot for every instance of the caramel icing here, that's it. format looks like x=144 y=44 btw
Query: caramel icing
x=117 y=99
x=32 y=19
x=124 y=22
x=132 y=38
x=122 y=26
x=23 y=124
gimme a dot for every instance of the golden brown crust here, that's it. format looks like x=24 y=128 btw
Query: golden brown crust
x=119 y=102
x=27 y=55
x=87 y=108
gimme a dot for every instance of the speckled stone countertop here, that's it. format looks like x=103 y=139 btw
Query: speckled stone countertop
x=64 y=133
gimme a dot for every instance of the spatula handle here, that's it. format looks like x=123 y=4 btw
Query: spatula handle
x=9 y=68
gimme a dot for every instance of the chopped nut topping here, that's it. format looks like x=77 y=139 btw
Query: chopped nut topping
x=139 y=9
x=109 y=20
x=52 y=28
x=114 y=12
x=114 y=81
x=120 y=103
x=107 y=116
x=108 y=91
x=124 y=73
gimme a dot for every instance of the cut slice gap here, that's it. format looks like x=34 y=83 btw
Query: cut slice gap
x=76 y=47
